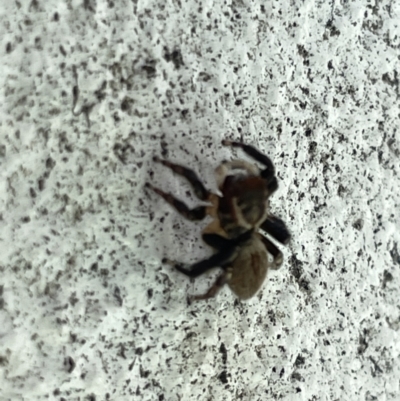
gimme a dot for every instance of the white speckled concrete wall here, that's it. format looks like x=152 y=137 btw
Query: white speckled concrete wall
x=90 y=91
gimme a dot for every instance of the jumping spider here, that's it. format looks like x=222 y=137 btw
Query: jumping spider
x=240 y=250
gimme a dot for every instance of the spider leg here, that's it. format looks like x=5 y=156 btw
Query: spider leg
x=198 y=213
x=198 y=187
x=221 y=243
x=219 y=259
x=215 y=288
x=215 y=240
x=268 y=173
x=254 y=153
x=277 y=228
x=274 y=251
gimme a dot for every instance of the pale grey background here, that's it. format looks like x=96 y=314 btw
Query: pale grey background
x=87 y=311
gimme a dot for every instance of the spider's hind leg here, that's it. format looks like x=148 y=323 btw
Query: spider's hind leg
x=220 y=259
x=274 y=251
x=215 y=240
x=198 y=187
x=277 y=228
x=197 y=213
x=215 y=288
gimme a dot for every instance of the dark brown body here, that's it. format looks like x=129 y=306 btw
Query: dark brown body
x=238 y=213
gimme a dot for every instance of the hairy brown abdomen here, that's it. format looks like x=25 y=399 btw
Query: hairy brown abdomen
x=249 y=269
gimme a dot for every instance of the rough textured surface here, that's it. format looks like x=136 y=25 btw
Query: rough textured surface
x=90 y=91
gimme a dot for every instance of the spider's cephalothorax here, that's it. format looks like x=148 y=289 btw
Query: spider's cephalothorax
x=238 y=213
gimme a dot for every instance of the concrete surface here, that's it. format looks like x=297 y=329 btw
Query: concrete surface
x=90 y=92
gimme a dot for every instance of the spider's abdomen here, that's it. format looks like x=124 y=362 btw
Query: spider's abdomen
x=249 y=269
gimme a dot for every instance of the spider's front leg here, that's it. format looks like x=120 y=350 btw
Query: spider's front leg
x=200 y=191
x=197 y=213
x=268 y=173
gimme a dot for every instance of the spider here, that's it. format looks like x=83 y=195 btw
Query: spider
x=238 y=214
